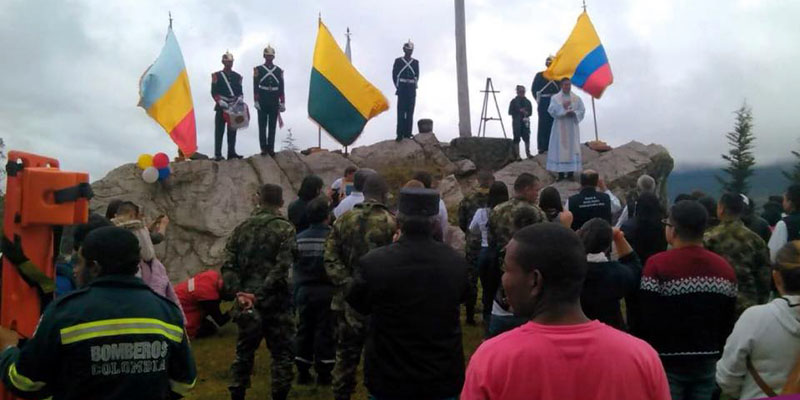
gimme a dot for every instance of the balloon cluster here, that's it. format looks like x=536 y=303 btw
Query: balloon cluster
x=154 y=168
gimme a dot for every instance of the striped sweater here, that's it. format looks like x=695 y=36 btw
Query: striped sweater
x=687 y=298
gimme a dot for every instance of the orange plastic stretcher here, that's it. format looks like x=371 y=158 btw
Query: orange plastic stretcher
x=38 y=196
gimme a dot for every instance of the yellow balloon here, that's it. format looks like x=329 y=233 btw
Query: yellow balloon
x=145 y=161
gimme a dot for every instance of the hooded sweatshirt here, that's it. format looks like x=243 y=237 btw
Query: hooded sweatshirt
x=769 y=335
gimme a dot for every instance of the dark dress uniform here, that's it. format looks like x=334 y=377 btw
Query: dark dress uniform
x=221 y=90
x=405 y=75
x=269 y=95
x=313 y=294
x=542 y=90
x=520 y=122
x=115 y=339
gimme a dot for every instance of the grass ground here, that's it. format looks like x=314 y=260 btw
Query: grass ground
x=215 y=354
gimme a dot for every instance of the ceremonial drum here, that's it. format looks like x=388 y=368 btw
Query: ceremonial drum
x=237 y=115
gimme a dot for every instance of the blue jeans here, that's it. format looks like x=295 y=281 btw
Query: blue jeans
x=691 y=380
x=504 y=323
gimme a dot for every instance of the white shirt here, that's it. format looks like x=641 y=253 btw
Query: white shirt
x=778 y=239
x=348 y=203
x=443 y=218
x=480 y=223
x=337 y=184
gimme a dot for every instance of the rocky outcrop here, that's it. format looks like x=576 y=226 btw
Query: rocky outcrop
x=206 y=200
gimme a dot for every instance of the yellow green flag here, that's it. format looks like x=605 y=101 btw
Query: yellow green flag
x=340 y=99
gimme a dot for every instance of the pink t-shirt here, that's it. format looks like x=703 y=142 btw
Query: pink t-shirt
x=562 y=362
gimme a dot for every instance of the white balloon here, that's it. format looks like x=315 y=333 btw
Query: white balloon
x=150 y=174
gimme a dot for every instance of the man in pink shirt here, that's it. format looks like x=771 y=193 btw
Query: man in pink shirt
x=560 y=354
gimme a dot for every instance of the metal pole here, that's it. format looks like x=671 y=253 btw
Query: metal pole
x=594 y=114
x=464 y=128
x=319 y=136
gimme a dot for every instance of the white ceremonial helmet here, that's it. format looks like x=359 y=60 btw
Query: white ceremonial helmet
x=227 y=56
x=409 y=45
x=269 y=51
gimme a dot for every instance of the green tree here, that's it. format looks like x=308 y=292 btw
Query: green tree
x=740 y=157
x=794 y=175
x=288 y=142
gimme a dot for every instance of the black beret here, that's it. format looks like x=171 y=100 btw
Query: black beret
x=419 y=202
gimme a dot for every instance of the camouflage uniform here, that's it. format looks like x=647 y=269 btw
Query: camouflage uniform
x=259 y=255
x=466 y=210
x=748 y=255
x=501 y=222
x=367 y=226
x=501 y=230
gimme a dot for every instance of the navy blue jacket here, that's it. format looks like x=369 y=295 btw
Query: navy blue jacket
x=115 y=339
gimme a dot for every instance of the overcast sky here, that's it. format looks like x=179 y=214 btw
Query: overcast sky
x=71 y=68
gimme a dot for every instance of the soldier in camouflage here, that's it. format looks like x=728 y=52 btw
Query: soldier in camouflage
x=367 y=226
x=501 y=220
x=747 y=253
x=259 y=255
x=504 y=220
x=466 y=210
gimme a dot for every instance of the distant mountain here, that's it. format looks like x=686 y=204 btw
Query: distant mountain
x=766 y=181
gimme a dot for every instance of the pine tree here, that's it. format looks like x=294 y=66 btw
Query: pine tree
x=288 y=142
x=740 y=157
x=794 y=175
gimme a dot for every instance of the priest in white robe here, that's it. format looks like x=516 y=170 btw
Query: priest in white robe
x=564 y=153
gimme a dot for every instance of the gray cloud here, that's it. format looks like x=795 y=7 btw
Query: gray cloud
x=681 y=68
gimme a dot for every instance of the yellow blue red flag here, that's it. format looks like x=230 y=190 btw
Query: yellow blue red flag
x=582 y=59
x=340 y=99
x=165 y=95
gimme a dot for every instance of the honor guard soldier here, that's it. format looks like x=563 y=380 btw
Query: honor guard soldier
x=405 y=75
x=226 y=88
x=542 y=89
x=113 y=339
x=269 y=100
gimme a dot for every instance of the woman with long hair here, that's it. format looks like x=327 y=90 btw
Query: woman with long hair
x=550 y=202
x=479 y=226
x=310 y=188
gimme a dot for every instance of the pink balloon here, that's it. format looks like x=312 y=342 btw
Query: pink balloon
x=160 y=161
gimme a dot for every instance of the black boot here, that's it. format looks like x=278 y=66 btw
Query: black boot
x=324 y=378
x=304 y=376
x=560 y=177
x=237 y=393
x=571 y=176
x=280 y=395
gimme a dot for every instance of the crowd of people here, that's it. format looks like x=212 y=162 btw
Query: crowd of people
x=579 y=296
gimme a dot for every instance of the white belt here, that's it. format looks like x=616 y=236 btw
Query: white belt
x=407 y=80
x=269 y=88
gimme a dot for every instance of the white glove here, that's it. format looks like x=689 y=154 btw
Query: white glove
x=222 y=103
x=282 y=108
x=257 y=106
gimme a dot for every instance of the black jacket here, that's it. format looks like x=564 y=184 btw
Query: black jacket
x=588 y=204
x=606 y=284
x=413 y=290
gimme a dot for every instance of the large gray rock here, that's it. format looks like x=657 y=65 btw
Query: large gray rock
x=485 y=153
x=206 y=200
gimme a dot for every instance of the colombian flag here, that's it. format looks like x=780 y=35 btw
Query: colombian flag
x=583 y=60
x=165 y=94
x=340 y=100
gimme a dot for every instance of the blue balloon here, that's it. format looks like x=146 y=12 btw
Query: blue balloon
x=163 y=173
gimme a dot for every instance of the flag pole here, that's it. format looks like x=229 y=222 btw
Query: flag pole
x=170 y=19
x=319 y=136
x=594 y=114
